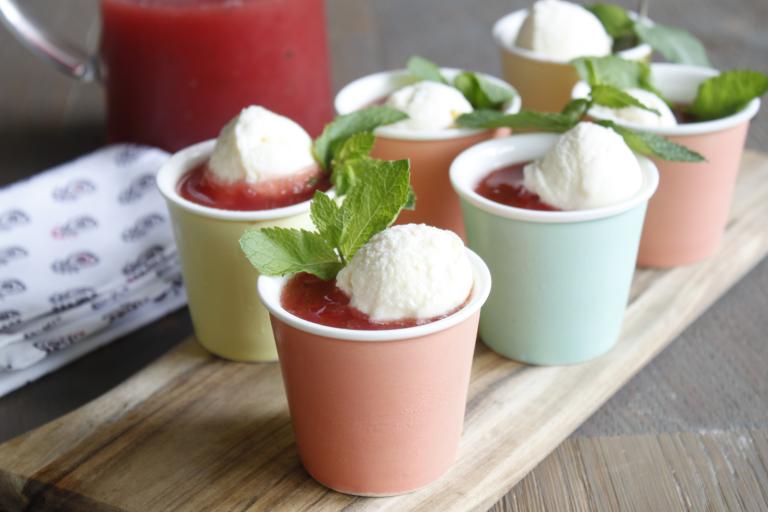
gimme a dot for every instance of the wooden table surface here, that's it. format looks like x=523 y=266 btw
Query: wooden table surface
x=690 y=432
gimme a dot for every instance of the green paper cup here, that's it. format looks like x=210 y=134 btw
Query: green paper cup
x=561 y=278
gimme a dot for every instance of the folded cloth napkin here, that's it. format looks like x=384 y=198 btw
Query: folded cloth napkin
x=86 y=255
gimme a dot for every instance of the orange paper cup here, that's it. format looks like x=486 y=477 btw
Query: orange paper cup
x=430 y=153
x=377 y=413
x=687 y=215
x=545 y=84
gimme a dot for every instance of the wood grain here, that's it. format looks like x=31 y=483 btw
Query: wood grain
x=193 y=432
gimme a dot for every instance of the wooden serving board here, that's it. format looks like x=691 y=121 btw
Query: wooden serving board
x=192 y=432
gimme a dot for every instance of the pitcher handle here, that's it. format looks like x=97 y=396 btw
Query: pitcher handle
x=69 y=59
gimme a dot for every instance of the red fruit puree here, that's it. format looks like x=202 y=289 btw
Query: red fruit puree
x=322 y=302
x=200 y=187
x=177 y=70
x=505 y=186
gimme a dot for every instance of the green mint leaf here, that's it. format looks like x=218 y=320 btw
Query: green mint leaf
x=727 y=93
x=615 y=19
x=675 y=44
x=525 y=120
x=611 y=70
x=344 y=126
x=281 y=251
x=576 y=109
x=611 y=97
x=326 y=216
x=652 y=145
x=410 y=204
x=481 y=92
x=347 y=158
x=425 y=69
x=373 y=203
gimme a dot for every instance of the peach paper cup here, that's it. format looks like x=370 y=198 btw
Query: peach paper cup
x=545 y=84
x=377 y=413
x=561 y=278
x=227 y=315
x=687 y=215
x=431 y=153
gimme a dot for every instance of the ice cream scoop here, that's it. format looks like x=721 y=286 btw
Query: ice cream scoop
x=429 y=105
x=589 y=166
x=258 y=146
x=408 y=271
x=563 y=31
x=637 y=115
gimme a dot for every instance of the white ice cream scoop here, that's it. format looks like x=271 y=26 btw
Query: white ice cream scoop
x=429 y=105
x=637 y=115
x=259 y=145
x=563 y=31
x=406 y=272
x=589 y=166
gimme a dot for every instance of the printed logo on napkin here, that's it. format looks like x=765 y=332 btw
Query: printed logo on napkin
x=86 y=252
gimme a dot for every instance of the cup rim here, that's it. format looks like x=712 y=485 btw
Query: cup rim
x=269 y=288
x=667 y=73
x=465 y=174
x=190 y=157
x=637 y=52
x=357 y=94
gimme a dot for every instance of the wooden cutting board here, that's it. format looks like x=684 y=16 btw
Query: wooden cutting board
x=192 y=432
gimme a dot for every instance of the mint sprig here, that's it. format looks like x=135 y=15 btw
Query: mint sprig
x=727 y=93
x=615 y=71
x=373 y=201
x=480 y=92
x=674 y=43
x=344 y=126
x=641 y=142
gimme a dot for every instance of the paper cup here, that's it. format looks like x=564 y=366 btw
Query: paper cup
x=545 y=84
x=430 y=153
x=561 y=279
x=687 y=215
x=227 y=315
x=377 y=413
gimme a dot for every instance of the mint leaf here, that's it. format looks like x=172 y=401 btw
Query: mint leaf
x=675 y=44
x=615 y=71
x=615 y=19
x=611 y=97
x=576 y=109
x=348 y=157
x=425 y=69
x=373 y=203
x=653 y=145
x=481 y=92
x=526 y=120
x=727 y=93
x=281 y=251
x=326 y=216
x=344 y=126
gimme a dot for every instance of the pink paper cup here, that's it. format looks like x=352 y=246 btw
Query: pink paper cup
x=430 y=153
x=687 y=215
x=377 y=413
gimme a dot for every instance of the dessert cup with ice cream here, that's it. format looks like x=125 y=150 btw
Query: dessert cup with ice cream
x=688 y=214
x=557 y=218
x=376 y=350
x=429 y=137
x=537 y=44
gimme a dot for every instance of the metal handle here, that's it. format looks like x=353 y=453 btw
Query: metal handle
x=69 y=59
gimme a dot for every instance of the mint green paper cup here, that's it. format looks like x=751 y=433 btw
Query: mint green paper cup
x=561 y=279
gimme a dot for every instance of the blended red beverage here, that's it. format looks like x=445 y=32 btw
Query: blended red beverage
x=177 y=70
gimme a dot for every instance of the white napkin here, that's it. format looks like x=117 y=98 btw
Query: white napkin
x=86 y=255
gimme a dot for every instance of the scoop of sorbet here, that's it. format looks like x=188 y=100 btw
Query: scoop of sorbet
x=563 y=31
x=637 y=115
x=589 y=166
x=411 y=271
x=429 y=105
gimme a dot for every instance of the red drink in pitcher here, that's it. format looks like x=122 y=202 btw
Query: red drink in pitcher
x=177 y=70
